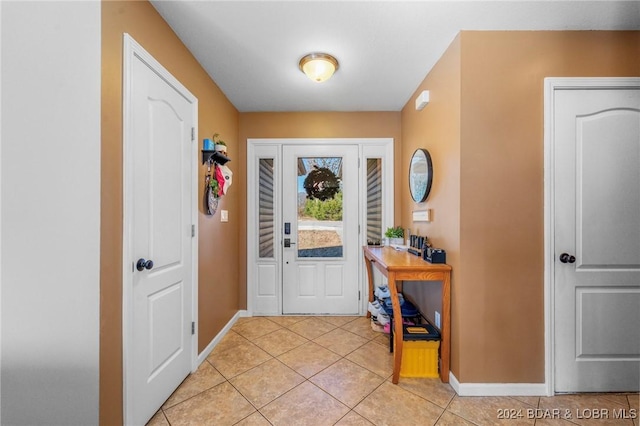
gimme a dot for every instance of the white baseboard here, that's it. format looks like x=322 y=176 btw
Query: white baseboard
x=497 y=389
x=205 y=353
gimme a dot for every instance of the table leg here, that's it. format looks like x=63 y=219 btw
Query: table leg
x=445 y=338
x=367 y=263
x=397 y=328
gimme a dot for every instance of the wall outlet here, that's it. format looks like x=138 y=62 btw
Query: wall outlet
x=224 y=215
x=437 y=319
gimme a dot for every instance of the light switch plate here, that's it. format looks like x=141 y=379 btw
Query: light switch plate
x=224 y=215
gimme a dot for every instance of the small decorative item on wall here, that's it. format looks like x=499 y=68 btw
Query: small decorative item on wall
x=211 y=197
x=220 y=145
x=214 y=154
x=422 y=215
x=207 y=145
x=420 y=175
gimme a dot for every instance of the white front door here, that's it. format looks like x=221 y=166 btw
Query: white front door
x=596 y=146
x=320 y=229
x=159 y=204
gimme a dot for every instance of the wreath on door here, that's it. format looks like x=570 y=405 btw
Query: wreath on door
x=321 y=183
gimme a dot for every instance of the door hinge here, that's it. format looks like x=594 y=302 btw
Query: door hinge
x=358 y=229
x=358 y=294
x=193 y=134
x=193 y=231
x=358 y=162
x=193 y=327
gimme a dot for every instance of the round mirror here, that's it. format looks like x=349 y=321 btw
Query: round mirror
x=420 y=175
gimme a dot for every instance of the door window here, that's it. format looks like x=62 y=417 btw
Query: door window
x=374 y=201
x=320 y=205
x=266 y=217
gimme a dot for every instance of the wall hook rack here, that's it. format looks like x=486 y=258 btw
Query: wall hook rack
x=211 y=156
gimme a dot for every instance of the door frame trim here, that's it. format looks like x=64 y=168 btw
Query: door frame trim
x=386 y=144
x=551 y=85
x=131 y=50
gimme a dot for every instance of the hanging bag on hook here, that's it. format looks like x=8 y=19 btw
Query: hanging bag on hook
x=210 y=194
x=219 y=177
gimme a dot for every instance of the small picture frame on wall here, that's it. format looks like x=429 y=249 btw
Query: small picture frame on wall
x=422 y=215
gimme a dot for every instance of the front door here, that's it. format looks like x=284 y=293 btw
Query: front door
x=320 y=229
x=159 y=203
x=596 y=170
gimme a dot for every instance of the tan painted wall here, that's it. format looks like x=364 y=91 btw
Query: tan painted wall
x=498 y=306
x=218 y=244
x=437 y=128
x=312 y=125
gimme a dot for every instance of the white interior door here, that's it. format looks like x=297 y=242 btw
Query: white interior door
x=597 y=239
x=320 y=229
x=159 y=204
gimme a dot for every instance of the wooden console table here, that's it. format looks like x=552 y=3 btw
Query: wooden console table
x=400 y=266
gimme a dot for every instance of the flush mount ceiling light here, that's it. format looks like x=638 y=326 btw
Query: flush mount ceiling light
x=318 y=67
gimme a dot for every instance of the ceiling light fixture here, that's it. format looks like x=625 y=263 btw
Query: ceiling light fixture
x=318 y=67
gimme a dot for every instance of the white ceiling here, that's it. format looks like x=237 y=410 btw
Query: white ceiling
x=251 y=49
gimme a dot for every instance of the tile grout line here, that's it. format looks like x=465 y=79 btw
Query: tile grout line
x=454 y=414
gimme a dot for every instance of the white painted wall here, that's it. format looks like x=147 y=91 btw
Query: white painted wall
x=50 y=218
x=0 y=214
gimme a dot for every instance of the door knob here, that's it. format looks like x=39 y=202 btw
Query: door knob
x=567 y=258
x=144 y=264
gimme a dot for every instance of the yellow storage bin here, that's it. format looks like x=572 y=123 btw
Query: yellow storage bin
x=420 y=358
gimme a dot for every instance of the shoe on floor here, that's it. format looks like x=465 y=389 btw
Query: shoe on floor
x=382 y=292
x=387 y=302
x=377 y=327
x=375 y=308
x=383 y=319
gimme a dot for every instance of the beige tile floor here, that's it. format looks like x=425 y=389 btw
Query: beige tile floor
x=337 y=371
